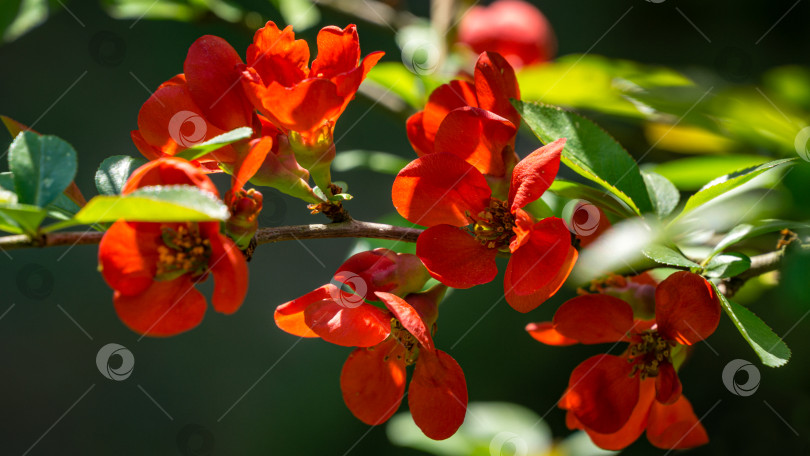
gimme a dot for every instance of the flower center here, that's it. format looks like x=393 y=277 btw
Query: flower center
x=648 y=352
x=184 y=251
x=494 y=226
x=406 y=340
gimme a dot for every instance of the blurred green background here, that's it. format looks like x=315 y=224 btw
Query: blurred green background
x=237 y=385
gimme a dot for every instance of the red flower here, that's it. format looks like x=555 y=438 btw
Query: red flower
x=388 y=340
x=444 y=192
x=615 y=398
x=515 y=29
x=153 y=267
x=298 y=98
x=481 y=110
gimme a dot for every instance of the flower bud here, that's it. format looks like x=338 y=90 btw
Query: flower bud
x=383 y=270
x=245 y=207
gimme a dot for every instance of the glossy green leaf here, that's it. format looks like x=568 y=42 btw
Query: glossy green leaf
x=381 y=162
x=770 y=348
x=727 y=265
x=668 y=256
x=749 y=230
x=727 y=183
x=589 y=151
x=42 y=166
x=113 y=173
x=664 y=195
x=176 y=203
x=693 y=173
x=604 y=200
x=198 y=150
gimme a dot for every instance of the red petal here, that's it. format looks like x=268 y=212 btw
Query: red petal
x=416 y=135
x=534 y=174
x=632 y=430
x=440 y=188
x=164 y=309
x=127 y=255
x=290 y=315
x=437 y=395
x=444 y=99
x=169 y=171
x=528 y=302
x=594 y=319
x=409 y=317
x=230 y=272
x=303 y=107
x=361 y=326
x=277 y=56
x=602 y=394
x=212 y=75
x=667 y=384
x=373 y=382
x=545 y=333
x=338 y=52
x=455 y=258
x=675 y=426
x=477 y=136
x=686 y=308
x=248 y=165
x=348 y=83
x=146 y=149
x=495 y=84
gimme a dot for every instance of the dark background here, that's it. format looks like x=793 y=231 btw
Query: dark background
x=290 y=397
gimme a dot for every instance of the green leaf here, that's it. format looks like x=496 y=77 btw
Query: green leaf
x=749 y=230
x=198 y=150
x=770 y=348
x=602 y=199
x=381 y=162
x=589 y=151
x=725 y=184
x=42 y=166
x=301 y=14
x=176 y=203
x=25 y=217
x=693 y=173
x=727 y=265
x=664 y=195
x=113 y=173
x=29 y=14
x=395 y=77
x=668 y=256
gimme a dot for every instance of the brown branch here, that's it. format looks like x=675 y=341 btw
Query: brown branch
x=353 y=228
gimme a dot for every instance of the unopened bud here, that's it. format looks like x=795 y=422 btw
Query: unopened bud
x=243 y=223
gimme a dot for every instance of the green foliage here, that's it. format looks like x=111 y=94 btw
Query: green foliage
x=693 y=173
x=770 y=348
x=18 y=17
x=605 y=200
x=113 y=173
x=727 y=265
x=301 y=14
x=399 y=80
x=42 y=166
x=589 y=151
x=380 y=162
x=749 y=230
x=198 y=150
x=668 y=256
x=664 y=195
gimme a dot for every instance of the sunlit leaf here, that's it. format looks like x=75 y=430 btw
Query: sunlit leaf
x=664 y=195
x=693 y=173
x=666 y=255
x=198 y=150
x=749 y=230
x=42 y=166
x=113 y=173
x=727 y=265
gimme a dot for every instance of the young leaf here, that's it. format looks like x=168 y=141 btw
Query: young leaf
x=770 y=348
x=589 y=151
x=113 y=173
x=25 y=217
x=668 y=256
x=727 y=265
x=217 y=142
x=664 y=195
x=724 y=184
x=176 y=203
x=746 y=230
x=42 y=166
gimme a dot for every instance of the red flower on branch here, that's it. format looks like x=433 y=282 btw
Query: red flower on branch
x=615 y=398
x=154 y=267
x=481 y=110
x=515 y=29
x=446 y=193
x=388 y=340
